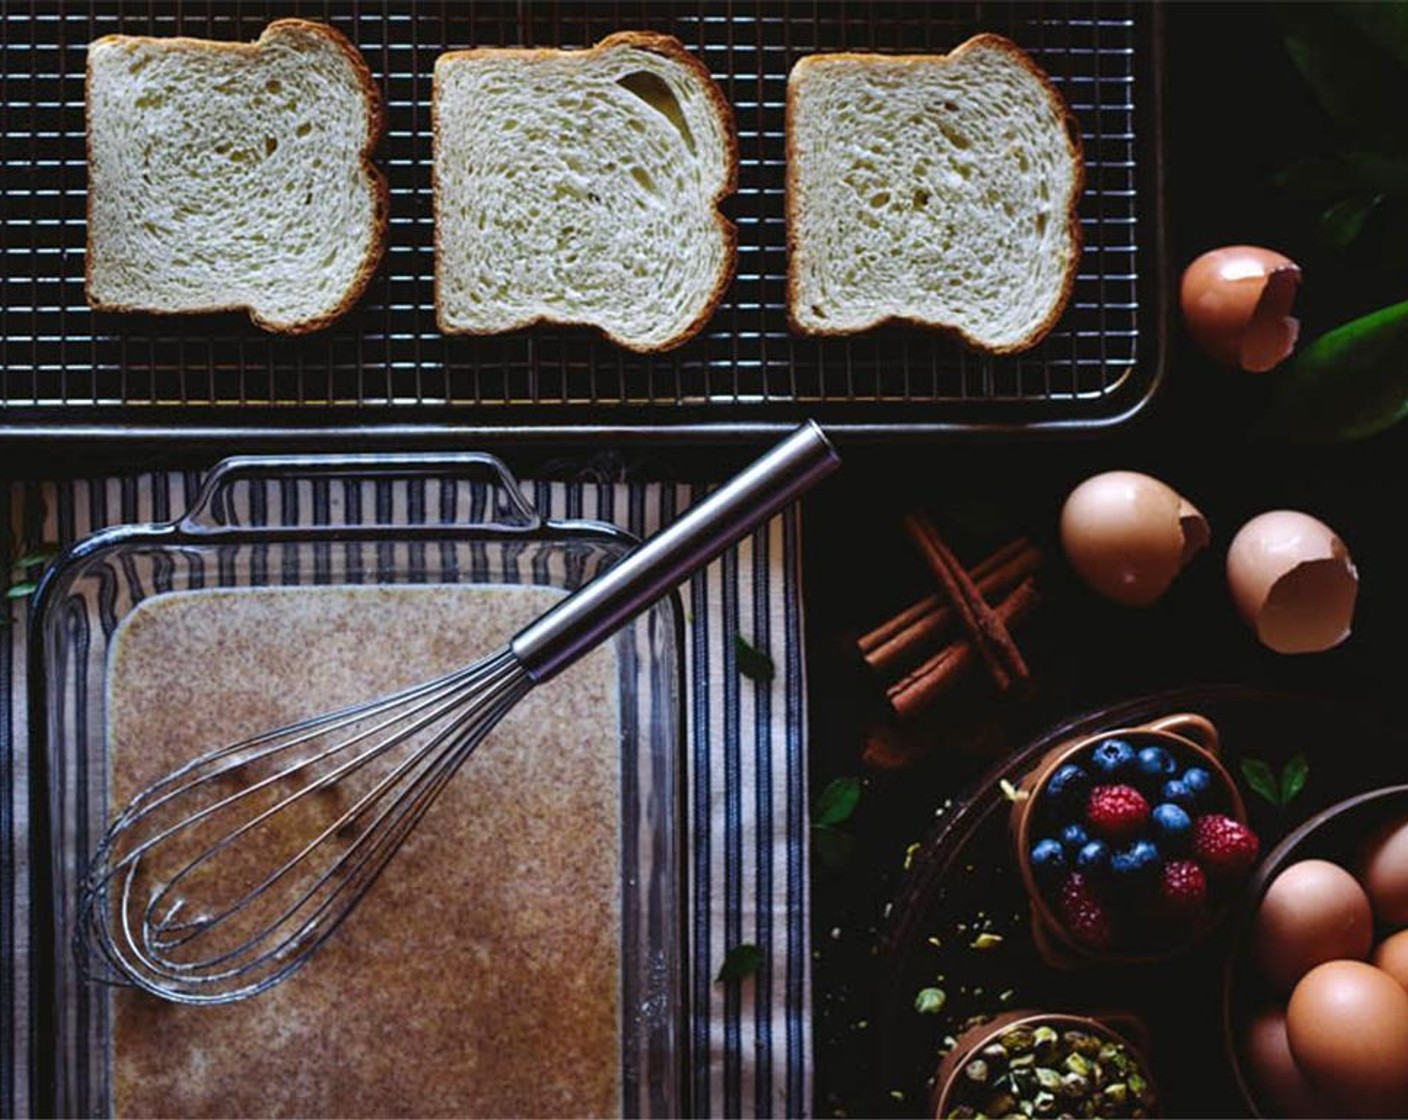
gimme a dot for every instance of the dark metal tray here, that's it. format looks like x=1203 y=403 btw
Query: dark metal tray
x=384 y=373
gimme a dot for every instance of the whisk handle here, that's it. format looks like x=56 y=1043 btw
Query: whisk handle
x=590 y=615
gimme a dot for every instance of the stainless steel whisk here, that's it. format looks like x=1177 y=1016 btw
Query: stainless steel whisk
x=222 y=878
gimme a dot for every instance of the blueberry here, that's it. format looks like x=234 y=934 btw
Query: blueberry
x=1172 y=824
x=1139 y=861
x=1074 y=837
x=1067 y=787
x=1093 y=858
x=1112 y=758
x=1177 y=792
x=1156 y=764
x=1048 y=858
x=1145 y=854
x=1198 y=781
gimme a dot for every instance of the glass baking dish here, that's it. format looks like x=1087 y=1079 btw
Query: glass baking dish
x=344 y=521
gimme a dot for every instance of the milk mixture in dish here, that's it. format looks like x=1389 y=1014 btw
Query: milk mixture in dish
x=482 y=973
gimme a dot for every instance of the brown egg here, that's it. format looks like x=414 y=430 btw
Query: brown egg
x=1385 y=872
x=1281 y=1088
x=1237 y=304
x=1292 y=579
x=1391 y=955
x=1347 y=1023
x=1128 y=535
x=1314 y=911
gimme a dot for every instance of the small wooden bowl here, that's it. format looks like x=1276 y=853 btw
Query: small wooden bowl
x=1125 y=1029
x=1336 y=834
x=1186 y=733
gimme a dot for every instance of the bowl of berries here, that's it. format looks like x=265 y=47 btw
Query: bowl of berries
x=1132 y=843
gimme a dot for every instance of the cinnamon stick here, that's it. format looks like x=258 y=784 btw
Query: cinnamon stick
x=901 y=639
x=988 y=633
x=911 y=614
x=938 y=674
x=887 y=631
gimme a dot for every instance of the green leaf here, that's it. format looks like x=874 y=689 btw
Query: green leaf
x=753 y=663
x=1350 y=76
x=740 y=962
x=38 y=556
x=1293 y=777
x=837 y=802
x=1343 y=222
x=1261 y=779
x=930 y=1001
x=20 y=590
x=1348 y=384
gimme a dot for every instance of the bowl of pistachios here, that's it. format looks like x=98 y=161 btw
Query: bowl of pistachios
x=1047 y=1064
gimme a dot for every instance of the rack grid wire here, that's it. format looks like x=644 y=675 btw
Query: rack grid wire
x=385 y=362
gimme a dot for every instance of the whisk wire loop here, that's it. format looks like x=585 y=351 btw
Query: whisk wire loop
x=435 y=762
x=339 y=774
x=161 y=846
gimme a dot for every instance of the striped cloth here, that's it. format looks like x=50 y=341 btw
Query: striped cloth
x=747 y=797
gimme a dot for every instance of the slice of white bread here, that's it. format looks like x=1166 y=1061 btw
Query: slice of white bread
x=582 y=187
x=225 y=176
x=936 y=189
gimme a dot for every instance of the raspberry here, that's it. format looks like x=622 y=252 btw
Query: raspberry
x=1183 y=891
x=1223 y=846
x=1117 y=812
x=1084 y=915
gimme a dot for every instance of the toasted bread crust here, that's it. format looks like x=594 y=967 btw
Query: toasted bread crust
x=1075 y=152
x=381 y=195
x=667 y=46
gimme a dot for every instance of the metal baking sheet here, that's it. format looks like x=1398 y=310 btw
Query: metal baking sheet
x=385 y=373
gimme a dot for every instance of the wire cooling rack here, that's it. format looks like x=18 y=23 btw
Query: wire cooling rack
x=384 y=370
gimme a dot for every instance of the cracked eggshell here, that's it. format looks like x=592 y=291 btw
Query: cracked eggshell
x=1128 y=535
x=1237 y=304
x=1293 y=581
